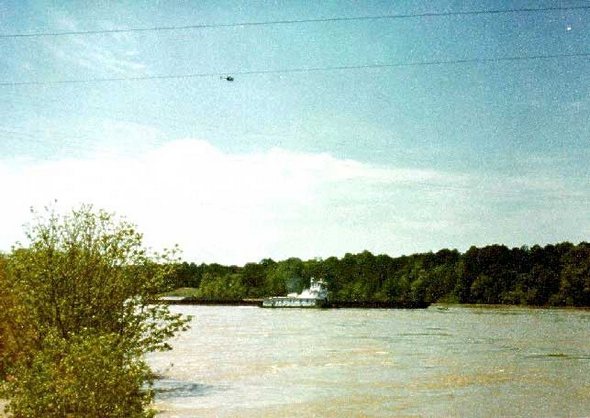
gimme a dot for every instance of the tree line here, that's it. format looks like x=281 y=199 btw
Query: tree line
x=553 y=275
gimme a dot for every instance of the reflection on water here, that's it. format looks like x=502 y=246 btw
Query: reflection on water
x=457 y=361
x=171 y=388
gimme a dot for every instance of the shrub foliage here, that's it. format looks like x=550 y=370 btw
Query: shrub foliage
x=78 y=314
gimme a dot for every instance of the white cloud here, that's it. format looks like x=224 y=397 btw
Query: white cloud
x=115 y=53
x=235 y=208
x=217 y=206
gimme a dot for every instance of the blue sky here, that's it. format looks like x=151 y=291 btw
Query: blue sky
x=309 y=164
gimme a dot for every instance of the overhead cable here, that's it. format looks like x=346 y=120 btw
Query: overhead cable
x=292 y=22
x=298 y=70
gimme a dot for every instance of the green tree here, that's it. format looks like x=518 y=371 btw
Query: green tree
x=184 y=275
x=87 y=375
x=575 y=276
x=4 y=326
x=286 y=276
x=84 y=284
x=253 y=277
x=222 y=288
x=440 y=283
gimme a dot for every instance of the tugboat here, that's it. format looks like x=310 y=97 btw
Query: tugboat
x=314 y=297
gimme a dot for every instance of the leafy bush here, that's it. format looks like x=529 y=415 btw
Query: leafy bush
x=89 y=375
x=79 y=314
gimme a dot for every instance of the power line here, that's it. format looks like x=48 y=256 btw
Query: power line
x=293 y=21
x=298 y=70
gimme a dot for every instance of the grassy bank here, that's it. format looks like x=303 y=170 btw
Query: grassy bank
x=185 y=292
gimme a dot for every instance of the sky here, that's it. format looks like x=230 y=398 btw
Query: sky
x=373 y=149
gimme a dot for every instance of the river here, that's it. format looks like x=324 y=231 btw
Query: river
x=440 y=361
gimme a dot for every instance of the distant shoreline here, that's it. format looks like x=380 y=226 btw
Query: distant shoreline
x=337 y=304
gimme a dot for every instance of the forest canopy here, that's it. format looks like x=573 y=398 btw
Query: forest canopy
x=556 y=275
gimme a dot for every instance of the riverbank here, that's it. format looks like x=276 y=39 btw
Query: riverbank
x=216 y=302
x=336 y=304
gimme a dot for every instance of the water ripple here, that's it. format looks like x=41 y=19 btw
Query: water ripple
x=171 y=388
x=559 y=356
